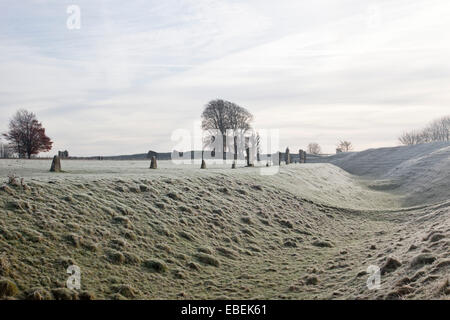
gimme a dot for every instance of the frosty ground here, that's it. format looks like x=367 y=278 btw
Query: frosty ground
x=178 y=232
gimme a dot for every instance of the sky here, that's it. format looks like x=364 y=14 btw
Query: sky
x=134 y=72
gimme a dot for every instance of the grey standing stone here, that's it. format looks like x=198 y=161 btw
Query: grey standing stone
x=56 y=164
x=249 y=160
x=153 y=164
x=300 y=156
x=287 y=156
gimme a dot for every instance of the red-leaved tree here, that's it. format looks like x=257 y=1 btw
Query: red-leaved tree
x=26 y=135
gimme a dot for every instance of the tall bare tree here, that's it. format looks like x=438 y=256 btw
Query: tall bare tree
x=314 y=148
x=215 y=117
x=26 y=135
x=240 y=122
x=221 y=115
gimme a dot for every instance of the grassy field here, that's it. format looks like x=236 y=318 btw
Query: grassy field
x=179 y=232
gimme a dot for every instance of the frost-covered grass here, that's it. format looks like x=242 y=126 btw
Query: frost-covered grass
x=319 y=182
x=420 y=173
x=180 y=232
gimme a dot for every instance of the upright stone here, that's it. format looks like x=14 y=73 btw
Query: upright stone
x=300 y=156
x=56 y=164
x=153 y=164
x=203 y=166
x=287 y=156
x=249 y=159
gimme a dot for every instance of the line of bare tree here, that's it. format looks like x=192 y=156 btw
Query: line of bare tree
x=436 y=130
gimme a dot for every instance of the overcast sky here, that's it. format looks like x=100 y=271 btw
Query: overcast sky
x=138 y=70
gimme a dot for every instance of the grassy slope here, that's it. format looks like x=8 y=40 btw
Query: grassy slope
x=219 y=235
x=419 y=172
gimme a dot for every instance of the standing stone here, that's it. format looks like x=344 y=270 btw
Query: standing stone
x=249 y=160
x=279 y=158
x=153 y=164
x=247 y=152
x=56 y=164
x=287 y=156
x=235 y=156
x=203 y=166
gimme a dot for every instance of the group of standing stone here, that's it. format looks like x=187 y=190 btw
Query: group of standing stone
x=288 y=158
x=56 y=163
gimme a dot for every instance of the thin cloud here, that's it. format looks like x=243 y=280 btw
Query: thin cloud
x=363 y=70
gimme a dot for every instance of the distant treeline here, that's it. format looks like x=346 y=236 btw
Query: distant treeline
x=437 y=130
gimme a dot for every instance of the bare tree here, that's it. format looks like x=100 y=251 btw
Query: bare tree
x=222 y=115
x=215 y=117
x=314 y=148
x=240 y=123
x=437 y=130
x=411 y=138
x=345 y=146
x=26 y=135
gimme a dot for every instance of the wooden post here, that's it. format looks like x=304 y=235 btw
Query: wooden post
x=56 y=164
x=153 y=164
